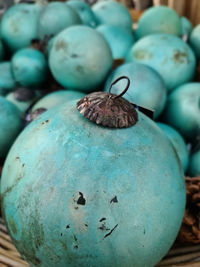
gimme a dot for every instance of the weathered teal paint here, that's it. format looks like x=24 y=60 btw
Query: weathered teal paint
x=10 y=125
x=159 y=19
x=85 y=12
x=80 y=58
x=195 y=40
x=19 y=25
x=29 y=67
x=77 y=194
x=183 y=109
x=178 y=143
x=56 y=17
x=7 y=81
x=113 y=13
x=194 y=164
x=119 y=39
x=57 y=98
x=147 y=88
x=171 y=57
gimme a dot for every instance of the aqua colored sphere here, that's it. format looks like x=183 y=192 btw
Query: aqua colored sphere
x=29 y=67
x=80 y=58
x=159 y=19
x=10 y=125
x=171 y=57
x=79 y=194
x=19 y=25
x=56 y=17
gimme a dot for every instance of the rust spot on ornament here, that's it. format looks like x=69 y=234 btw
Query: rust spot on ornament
x=180 y=57
x=142 y=55
x=60 y=45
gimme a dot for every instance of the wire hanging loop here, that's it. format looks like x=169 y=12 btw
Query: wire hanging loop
x=116 y=81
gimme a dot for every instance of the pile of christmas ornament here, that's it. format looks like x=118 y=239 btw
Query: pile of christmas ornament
x=93 y=153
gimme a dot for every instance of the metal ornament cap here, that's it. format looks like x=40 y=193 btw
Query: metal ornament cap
x=107 y=109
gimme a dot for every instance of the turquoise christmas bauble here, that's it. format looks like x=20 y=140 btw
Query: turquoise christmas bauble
x=57 y=98
x=79 y=194
x=182 y=109
x=178 y=143
x=19 y=25
x=113 y=13
x=29 y=67
x=119 y=39
x=10 y=125
x=159 y=19
x=85 y=12
x=171 y=57
x=80 y=58
x=56 y=17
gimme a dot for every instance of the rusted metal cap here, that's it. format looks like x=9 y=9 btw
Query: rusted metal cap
x=107 y=109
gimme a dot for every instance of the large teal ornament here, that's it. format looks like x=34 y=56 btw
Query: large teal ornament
x=183 y=109
x=10 y=125
x=119 y=39
x=194 y=164
x=29 y=67
x=80 y=58
x=171 y=57
x=56 y=17
x=113 y=13
x=146 y=89
x=57 y=98
x=159 y=19
x=85 y=12
x=178 y=143
x=7 y=81
x=19 y=25
x=195 y=40
x=79 y=194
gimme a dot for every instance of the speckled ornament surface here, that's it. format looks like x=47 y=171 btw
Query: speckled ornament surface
x=105 y=185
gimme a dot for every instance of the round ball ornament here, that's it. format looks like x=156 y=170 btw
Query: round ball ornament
x=113 y=179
